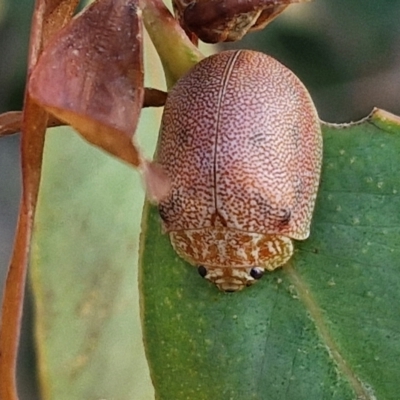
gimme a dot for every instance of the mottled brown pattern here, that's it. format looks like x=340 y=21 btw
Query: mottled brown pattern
x=229 y=248
x=242 y=145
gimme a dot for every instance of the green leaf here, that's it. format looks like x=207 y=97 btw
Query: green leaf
x=83 y=270
x=326 y=326
x=84 y=267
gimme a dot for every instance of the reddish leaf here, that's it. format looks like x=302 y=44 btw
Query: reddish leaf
x=11 y=122
x=91 y=76
x=48 y=16
x=227 y=20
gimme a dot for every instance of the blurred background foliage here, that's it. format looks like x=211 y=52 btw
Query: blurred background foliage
x=347 y=52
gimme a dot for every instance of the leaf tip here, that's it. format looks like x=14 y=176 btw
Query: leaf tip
x=156 y=181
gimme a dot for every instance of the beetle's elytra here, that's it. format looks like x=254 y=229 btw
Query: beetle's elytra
x=242 y=145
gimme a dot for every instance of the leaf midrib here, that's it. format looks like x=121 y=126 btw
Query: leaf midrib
x=333 y=348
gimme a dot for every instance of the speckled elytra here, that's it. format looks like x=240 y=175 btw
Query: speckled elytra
x=241 y=143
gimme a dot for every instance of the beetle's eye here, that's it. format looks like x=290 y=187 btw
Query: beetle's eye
x=202 y=270
x=257 y=272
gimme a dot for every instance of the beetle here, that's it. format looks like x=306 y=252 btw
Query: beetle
x=241 y=143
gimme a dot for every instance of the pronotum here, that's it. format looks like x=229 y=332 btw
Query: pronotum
x=241 y=143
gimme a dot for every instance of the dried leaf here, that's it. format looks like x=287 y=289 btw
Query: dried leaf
x=11 y=122
x=91 y=76
x=228 y=20
x=48 y=17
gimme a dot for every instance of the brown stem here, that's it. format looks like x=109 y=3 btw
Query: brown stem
x=48 y=17
x=154 y=98
x=33 y=130
x=12 y=306
x=11 y=122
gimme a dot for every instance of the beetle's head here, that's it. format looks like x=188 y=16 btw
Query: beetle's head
x=231 y=279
